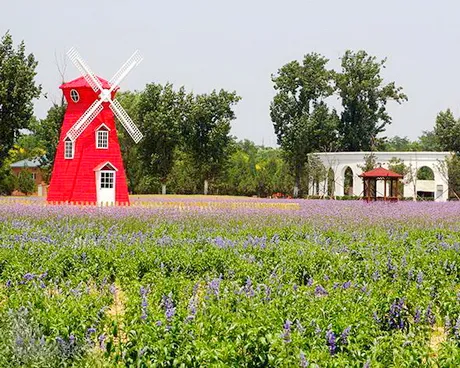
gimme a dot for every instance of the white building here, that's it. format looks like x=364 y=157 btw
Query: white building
x=344 y=168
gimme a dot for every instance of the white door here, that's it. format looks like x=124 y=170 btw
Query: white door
x=106 y=187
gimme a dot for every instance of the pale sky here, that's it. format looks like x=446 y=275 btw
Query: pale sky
x=237 y=45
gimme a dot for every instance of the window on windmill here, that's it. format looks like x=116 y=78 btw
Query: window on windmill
x=74 y=95
x=68 y=148
x=107 y=179
x=102 y=139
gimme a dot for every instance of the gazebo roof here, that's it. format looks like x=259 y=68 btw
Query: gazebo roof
x=380 y=172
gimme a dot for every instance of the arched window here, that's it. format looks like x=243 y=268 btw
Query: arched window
x=102 y=137
x=348 y=181
x=330 y=182
x=425 y=173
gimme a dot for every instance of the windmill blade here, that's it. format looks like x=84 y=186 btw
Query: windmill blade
x=126 y=121
x=85 y=120
x=84 y=70
x=132 y=62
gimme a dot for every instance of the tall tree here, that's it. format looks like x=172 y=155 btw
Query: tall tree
x=160 y=112
x=206 y=132
x=298 y=112
x=17 y=91
x=129 y=150
x=364 y=99
x=447 y=131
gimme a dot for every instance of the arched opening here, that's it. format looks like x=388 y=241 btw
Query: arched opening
x=425 y=183
x=425 y=173
x=348 y=181
x=330 y=182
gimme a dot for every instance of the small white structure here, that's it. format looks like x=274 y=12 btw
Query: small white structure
x=344 y=168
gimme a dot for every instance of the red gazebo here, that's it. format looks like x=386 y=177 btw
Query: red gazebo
x=370 y=184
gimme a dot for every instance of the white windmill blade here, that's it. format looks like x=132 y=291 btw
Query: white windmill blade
x=85 y=120
x=132 y=62
x=126 y=121
x=85 y=70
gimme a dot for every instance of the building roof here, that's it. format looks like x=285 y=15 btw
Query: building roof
x=380 y=172
x=81 y=82
x=35 y=162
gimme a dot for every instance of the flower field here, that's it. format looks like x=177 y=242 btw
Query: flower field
x=215 y=282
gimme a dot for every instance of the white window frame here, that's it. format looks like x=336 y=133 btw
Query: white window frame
x=74 y=92
x=68 y=141
x=34 y=176
x=100 y=134
x=104 y=181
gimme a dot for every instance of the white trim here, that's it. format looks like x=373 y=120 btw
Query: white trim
x=103 y=164
x=102 y=132
x=66 y=141
x=103 y=126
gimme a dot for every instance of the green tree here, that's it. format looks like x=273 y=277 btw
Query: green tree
x=302 y=121
x=17 y=92
x=26 y=183
x=160 y=113
x=447 y=131
x=48 y=130
x=206 y=132
x=364 y=98
x=428 y=142
x=135 y=171
x=370 y=162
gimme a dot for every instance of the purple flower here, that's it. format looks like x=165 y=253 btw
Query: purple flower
x=91 y=330
x=29 y=276
x=303 y=361
x=429 y=316
x=331 y=342
x=346 y=285
x=8 y=283
x=344 y=336
x=419 y=278
x=417 y=316
x=214 y=286
x=310 y=281
x=286 y=335
x=169 y=308
x=367 y=364
x=144 y=304
x=101 y=340
x=320 y=291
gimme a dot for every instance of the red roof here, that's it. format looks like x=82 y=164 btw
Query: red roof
x=380 y=172
x=81 y=82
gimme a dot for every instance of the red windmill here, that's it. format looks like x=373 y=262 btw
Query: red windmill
x=88 y=166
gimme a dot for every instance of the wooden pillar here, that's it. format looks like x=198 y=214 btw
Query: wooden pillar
x=368 y=190
x=384 y=189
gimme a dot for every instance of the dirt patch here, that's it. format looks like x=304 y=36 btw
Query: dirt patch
x=438 y=336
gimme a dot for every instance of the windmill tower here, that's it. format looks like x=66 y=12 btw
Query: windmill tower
x=88 y=166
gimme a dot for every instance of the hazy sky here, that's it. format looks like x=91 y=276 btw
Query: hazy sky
x=237 y=45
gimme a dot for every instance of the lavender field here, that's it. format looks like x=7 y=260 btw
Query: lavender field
x=228 y=282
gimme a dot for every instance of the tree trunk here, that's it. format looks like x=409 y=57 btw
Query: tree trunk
x=163 y=189
x=205 y=187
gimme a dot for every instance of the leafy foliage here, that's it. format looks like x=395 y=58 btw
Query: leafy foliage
x=26 y=183
x=302 y=121
x=227 y=284
x=17 y=92
x=364 y=99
